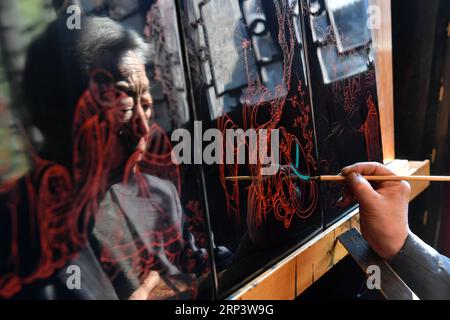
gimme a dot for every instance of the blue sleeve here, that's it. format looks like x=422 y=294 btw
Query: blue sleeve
x=423 y=269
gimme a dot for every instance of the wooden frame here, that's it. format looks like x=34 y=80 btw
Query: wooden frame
x=382 y=42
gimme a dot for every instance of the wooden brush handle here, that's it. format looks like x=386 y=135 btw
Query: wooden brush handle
x=386 y=178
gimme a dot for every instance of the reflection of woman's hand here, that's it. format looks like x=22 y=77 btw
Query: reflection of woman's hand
x=144 y=290
x=383 y=207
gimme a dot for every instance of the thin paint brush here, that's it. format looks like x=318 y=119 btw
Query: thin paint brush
x=342 y=178
x=384 y=178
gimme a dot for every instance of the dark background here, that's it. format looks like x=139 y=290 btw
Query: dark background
x=421 y=60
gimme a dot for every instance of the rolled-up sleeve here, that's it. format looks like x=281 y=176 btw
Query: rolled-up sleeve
x=423 y=269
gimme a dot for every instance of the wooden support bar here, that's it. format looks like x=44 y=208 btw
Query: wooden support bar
x=392 y=286
x=277 y=286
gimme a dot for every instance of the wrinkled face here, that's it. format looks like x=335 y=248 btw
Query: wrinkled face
x=136 y=106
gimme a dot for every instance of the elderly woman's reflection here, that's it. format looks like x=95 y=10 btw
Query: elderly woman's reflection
x=123 y=215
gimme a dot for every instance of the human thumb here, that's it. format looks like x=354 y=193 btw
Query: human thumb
x=361 y=189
